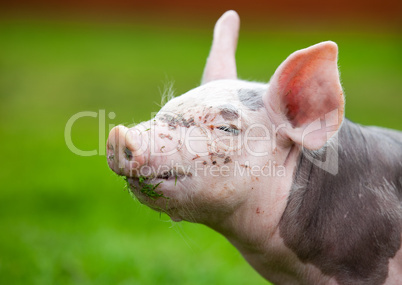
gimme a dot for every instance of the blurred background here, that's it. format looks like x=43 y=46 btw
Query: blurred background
x=66 y=218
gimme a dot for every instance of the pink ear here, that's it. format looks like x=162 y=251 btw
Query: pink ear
x=305 y=91
x=221 y=62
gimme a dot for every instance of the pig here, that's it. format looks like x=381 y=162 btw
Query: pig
x=306 y=196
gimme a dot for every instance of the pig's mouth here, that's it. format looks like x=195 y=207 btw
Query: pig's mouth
x=158 y=184
x=174 y=173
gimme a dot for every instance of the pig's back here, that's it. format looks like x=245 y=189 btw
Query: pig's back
x=388 y=134
x=385 y=147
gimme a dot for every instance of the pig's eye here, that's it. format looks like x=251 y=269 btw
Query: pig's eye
x=230 y=129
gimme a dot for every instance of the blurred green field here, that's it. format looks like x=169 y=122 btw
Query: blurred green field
x=66 y=219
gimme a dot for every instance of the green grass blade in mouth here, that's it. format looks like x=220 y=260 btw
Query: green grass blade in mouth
x=149 y=189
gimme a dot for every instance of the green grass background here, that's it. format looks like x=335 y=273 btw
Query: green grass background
x=66 y=219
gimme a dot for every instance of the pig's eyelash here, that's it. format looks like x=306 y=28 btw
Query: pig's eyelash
x=232 y=129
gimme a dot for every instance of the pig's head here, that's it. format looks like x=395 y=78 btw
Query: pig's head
x=207 y=152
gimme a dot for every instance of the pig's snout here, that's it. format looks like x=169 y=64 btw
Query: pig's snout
x=125 y=150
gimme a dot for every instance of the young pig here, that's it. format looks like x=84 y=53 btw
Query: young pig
x=305 y=195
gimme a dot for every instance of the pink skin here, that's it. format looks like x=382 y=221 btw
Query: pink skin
x=246 y=208
x=198 y=193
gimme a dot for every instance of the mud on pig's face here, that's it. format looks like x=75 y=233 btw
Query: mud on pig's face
x=183 y=161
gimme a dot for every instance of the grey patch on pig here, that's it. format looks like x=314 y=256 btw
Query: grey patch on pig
x=348 y=225
x=251 y=98
x=228 y=112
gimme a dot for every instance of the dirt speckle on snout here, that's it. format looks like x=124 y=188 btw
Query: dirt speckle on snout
x=162 y=136
x=227 y=160
x=178 y=120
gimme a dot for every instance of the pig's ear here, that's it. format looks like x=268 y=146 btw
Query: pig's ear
x=221 y=62
x=306 y=95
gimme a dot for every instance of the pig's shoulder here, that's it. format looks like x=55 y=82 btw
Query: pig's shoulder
x=348 y=225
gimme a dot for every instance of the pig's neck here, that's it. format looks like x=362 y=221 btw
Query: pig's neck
x=253 y=227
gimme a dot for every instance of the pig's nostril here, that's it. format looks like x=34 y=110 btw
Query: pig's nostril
x=128 y=153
